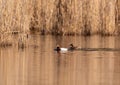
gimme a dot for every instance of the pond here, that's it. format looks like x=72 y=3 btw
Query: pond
x=39 y=64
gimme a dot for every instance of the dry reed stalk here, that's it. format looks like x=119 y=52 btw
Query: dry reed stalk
x=117 y=18
x=94 y=16
x=66 y=17
x=22 y=40
x=110 y=16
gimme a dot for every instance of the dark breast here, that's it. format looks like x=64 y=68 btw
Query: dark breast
x=57 y=49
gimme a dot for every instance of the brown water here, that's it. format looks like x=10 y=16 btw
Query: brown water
x=41 y=65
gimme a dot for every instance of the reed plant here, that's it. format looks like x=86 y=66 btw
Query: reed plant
x=59 y=17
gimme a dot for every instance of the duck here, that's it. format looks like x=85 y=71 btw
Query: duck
x=70 y=48
x=58 y=48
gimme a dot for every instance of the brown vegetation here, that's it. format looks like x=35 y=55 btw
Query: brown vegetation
x=61 y=17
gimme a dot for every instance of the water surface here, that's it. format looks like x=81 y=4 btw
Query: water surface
x=39 y=64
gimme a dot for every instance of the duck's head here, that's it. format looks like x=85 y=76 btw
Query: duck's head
x=58 y=48
x=71 y=45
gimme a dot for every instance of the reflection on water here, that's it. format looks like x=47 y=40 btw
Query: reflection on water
x=38 y=64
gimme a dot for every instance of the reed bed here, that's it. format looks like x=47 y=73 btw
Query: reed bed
x=59 y=17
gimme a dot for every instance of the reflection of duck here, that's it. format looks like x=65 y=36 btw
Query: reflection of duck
x=70 y=48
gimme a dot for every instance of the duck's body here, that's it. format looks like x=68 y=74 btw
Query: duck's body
x=64 y=49
x=61 y=49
